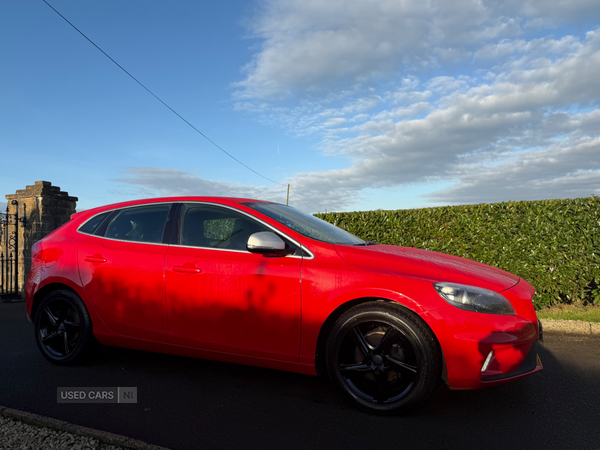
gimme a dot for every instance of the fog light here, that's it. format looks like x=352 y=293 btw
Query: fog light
x=487 y=361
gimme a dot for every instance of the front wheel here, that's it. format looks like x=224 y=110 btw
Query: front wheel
x=382 y=358
x=63 y=329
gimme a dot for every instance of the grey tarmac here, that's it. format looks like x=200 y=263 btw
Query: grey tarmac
x=188 y=403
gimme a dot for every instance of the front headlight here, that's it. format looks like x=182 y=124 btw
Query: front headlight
x=471 y=298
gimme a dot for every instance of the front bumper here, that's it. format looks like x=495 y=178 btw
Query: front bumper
x=483 y=349
x=531 y=364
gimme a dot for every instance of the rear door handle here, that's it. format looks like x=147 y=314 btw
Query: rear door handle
x=95 y=259
x=184 y=269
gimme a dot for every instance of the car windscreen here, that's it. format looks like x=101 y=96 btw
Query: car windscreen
x=305 y=224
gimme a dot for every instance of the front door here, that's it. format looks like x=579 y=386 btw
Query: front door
x=221 y=297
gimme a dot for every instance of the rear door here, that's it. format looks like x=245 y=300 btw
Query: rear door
x=122 y=271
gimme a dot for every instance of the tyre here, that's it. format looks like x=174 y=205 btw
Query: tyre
x=383 y=359
x=63 y=329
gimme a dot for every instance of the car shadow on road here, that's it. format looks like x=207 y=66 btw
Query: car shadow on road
x=280 y=408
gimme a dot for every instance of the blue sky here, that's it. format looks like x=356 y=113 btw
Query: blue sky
x=358 y=104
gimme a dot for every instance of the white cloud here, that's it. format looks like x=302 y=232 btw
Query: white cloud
x=446 y=84
x=535 y=48
x=309 y=46
x=175 y=182
x=523 y=117
x=564 y=170
x=160 y=182
x=552 y=11
x=480 y=93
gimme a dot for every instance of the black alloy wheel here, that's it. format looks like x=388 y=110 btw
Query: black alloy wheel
x=63 y=329
x=382 y=358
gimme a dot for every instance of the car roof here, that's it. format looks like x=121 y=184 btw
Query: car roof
x=221 y=200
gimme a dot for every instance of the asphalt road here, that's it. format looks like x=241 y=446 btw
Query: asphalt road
x=188 y=403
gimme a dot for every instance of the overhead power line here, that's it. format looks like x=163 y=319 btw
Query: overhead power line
x=165 y=104
x=298 y=196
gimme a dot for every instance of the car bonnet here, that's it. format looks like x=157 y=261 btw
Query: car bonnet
x=425 y=265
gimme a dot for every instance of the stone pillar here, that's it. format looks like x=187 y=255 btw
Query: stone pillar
x=46 y=208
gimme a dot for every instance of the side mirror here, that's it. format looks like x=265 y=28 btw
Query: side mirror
x=268 y=244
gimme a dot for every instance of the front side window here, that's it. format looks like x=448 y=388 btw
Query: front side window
x=216 y=227
x=139 y=224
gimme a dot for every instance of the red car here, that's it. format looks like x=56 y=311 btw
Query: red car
x=263 y=284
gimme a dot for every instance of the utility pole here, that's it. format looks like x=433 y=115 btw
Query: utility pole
x=287 y=202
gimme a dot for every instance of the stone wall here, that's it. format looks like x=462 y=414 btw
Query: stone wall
x=45 y=208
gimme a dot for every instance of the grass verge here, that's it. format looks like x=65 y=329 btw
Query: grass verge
x=571 y=312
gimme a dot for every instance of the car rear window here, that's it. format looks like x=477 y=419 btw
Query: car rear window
x=94 y=223
x=139 y=224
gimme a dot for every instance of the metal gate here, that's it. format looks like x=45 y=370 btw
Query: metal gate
x=9 y=256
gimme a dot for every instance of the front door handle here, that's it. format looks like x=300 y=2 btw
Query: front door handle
x=185 y=269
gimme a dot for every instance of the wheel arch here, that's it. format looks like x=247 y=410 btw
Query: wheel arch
x=341 y=309
x=51 y=287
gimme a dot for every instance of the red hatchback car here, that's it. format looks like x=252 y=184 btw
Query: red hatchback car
x=261 y=283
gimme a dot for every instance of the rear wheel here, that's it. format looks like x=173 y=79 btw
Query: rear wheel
x=382 y=358
x=63 y=330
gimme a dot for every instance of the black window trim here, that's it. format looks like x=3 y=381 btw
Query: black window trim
x=173 y=237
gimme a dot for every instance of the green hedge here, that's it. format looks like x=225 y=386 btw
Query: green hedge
x=554 y=244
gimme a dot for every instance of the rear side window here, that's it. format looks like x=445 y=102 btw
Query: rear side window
x=94 y=223
x=139 y=224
